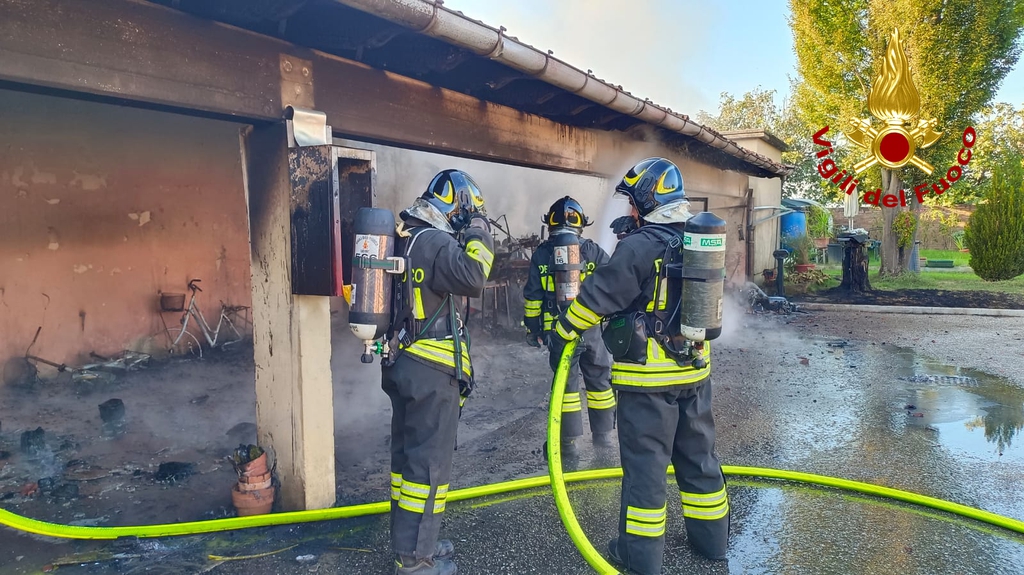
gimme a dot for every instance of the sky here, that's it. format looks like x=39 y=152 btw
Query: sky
x=681 y=54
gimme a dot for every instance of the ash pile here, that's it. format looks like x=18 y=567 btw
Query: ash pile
x=753 y=300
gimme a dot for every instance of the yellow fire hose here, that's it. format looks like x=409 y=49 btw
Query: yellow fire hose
x=556 y=479
x=598 y=562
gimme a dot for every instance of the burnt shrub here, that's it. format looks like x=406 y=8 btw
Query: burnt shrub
x=995 y=233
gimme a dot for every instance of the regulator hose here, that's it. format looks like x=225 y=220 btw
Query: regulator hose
x=555 y=478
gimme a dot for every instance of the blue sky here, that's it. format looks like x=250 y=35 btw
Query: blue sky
x=679 y=53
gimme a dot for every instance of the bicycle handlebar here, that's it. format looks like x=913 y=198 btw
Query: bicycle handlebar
x=192 y=285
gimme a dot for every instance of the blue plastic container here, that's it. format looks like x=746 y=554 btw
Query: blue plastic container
x=794 y=225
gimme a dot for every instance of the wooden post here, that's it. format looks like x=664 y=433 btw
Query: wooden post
x=291 y=335
x=855 y=268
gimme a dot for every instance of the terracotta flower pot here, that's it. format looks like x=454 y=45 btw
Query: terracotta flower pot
x=821 y=243
x=254 y=483
x=258 y=502
x=255 y=467
x=801 y=268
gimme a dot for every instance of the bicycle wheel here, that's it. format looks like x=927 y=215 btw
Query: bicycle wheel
x=187 y=345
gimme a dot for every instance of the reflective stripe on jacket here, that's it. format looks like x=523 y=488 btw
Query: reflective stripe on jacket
x=628 y=283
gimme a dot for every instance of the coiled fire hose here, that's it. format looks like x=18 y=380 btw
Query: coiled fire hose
x=555 y=478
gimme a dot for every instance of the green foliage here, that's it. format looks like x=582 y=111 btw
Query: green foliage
x=1000 y=130
x=960 y=239
x=949 y=223
x=757 y=110
x=802 y=247
x=959 y=53
x=819 y=222
x=995 y=233
x=904 y=225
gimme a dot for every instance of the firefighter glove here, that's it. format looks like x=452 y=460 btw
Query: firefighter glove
x=623 y=225
x=480 y=222
x=533 y=339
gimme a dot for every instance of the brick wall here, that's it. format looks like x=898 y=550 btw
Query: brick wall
x=929 y=231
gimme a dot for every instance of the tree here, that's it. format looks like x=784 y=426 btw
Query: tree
x=995 y=234
x=959 y=51
x=756 y=110
x=1000 y=140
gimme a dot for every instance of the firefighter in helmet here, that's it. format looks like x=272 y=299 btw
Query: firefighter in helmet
x=445 y=236
x=566 y=217
x=663 y=380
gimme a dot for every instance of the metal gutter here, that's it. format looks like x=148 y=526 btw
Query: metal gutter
x=433 y=19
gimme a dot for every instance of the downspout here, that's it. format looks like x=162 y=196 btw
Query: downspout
x=433 y=19
x=750 y=234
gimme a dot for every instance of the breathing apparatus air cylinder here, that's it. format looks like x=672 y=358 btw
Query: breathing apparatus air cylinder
x=703 y=277
x=372 y=262
x=566 y=265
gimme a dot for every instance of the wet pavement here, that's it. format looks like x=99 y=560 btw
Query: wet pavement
x=784 y=398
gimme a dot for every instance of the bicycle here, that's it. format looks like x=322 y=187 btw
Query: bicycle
x=183 y=342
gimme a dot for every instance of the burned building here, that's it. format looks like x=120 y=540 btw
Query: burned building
x=143 y=146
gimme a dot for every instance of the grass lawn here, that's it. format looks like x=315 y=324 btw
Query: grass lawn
x=948 y=280
x=957 y=281
x=959 y=259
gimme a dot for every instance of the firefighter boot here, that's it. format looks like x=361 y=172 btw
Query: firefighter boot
x=613 y=554
x=410 y=566
x=444 y=549
x=603 y=439
x=569 y=448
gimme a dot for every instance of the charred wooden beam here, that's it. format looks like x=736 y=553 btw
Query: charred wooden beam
x=581 y=108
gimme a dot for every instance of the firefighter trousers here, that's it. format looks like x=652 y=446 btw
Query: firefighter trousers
x=424 y=419
x=654 y=429
x=595 y=363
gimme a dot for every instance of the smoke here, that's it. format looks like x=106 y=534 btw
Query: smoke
x=522 y=195
x=734 y=319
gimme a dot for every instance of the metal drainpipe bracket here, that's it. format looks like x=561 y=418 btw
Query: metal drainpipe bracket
x=499 y=46
x=307 y=127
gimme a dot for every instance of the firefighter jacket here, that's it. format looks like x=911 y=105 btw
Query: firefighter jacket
x=628 y=283
x=439 y=267
x=539 y=291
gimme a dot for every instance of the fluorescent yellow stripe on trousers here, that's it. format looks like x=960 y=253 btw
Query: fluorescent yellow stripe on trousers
x=396 y=486
x=479 y=252
x=705 y=506
x=646 y=522
x=414 y=496
x=571 y=402
x=440 y=498
x=601 y=399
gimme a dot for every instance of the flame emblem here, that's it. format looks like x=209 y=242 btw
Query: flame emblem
x=894 y=100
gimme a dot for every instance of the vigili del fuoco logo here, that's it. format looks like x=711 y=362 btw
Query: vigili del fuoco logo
x=893 y=100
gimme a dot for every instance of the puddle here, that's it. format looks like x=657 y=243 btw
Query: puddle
x=970 y=413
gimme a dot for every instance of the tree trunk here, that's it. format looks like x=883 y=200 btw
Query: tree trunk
x=890 y=266
x=855 y=269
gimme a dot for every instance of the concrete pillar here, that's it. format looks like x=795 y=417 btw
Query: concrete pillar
x=291 y=335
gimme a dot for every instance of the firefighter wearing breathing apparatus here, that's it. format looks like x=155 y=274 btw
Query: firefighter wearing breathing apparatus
x=660 y=298
x=427 y=371
x=557 y=268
